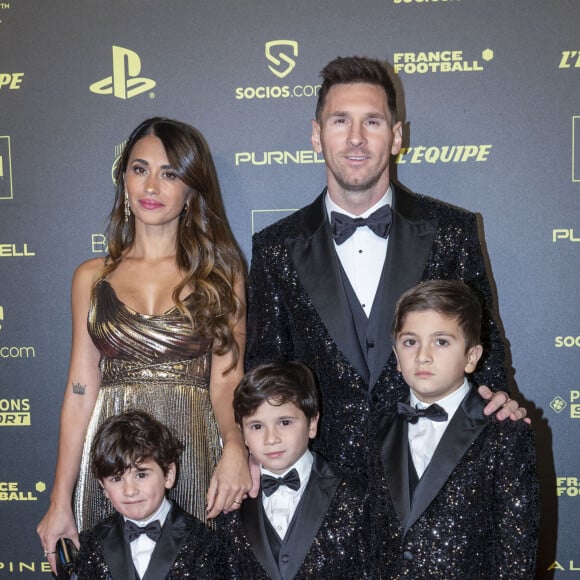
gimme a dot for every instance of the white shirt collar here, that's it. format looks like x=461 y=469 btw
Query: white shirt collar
x=303 y=466
x=450 y=403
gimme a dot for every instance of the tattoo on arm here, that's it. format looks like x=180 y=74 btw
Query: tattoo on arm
x=78 y=389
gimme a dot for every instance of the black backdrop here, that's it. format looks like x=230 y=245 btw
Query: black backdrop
x=490 y=95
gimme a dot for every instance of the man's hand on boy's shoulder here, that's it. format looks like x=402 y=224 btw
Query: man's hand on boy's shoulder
x=500 y=403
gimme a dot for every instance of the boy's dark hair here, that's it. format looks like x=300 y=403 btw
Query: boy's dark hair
x=451 y=298
x=356 y=69
x=278 y=383
x=125 y=440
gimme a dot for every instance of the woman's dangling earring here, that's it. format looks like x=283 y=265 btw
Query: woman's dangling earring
x=127 y=207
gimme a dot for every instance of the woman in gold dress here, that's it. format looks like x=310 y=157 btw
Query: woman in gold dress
x=159 y=324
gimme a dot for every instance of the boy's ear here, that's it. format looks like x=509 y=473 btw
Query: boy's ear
x=397 y=357
x=170 y=476
x=241 y=426
x=313 y=427
x=473 y=356
x=104 y=489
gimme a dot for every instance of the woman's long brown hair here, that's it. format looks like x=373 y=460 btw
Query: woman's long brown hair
x=206 y=251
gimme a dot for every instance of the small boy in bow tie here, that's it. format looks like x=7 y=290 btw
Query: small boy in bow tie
x=136 y=459
x=464 y=485
x=308 y=520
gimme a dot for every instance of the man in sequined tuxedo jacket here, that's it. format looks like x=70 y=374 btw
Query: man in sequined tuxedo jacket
x=328 y=302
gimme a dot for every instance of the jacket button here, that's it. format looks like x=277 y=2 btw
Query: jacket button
x=407 y=555
x=285 y=558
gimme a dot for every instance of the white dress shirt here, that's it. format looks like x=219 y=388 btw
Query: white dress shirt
x=424 y=436
x=363 y=254
x=281 y=505
x=143 y=546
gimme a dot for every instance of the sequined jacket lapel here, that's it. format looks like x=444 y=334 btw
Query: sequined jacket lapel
x=308 y=518
x=463 y=429
x=116 y=552
x=113 y=554
x=314 y=258
x=475 y=510
x=328 y=539
x=465 y=426
x=312 y=253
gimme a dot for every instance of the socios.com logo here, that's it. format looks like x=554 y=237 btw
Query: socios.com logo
x=125 y=81
x=276 y=52
x=5 y=168
x=567 y=342
x=280 y=53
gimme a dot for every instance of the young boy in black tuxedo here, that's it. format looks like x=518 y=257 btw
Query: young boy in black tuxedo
x=308 y=520
x=464 y=485
x=136 y=458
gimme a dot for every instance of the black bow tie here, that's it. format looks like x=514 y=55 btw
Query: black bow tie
x=411 y=414
x=343 y=226
x=132 y=531
x=271 y=484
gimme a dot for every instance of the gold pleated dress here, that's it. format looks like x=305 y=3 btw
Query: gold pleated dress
x=154 y=363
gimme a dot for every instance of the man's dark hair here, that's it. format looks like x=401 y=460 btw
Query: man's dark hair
x=277 y=383
x=356 y=69
x=125 y=440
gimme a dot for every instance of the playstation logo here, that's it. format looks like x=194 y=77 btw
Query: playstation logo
x=280 y=57
x=125 y=82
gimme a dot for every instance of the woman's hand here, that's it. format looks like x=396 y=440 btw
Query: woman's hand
x=231 y=480
x=58 y=522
